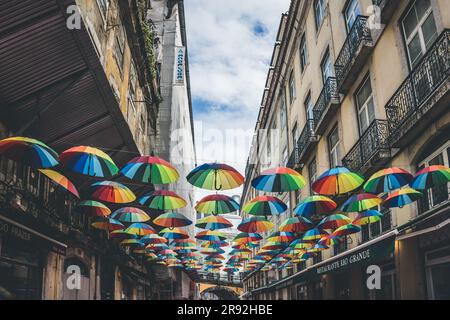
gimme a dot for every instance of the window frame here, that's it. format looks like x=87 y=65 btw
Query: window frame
x=334 y=149
x=328 y=71
x=309 y=107
x=319 y=15
x=304 y=58
x=353 y=15
x=292 y=87
x=365 y=107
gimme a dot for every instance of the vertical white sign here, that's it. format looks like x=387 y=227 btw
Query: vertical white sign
x=179 y=65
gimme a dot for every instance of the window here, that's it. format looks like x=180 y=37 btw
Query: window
x=303 y=53
x=317 y=257
x=326 y=67
x=319 y=12
x=292 y=93
x=118 y=49
x=365 y=104
x=370 y=231
x=309 y=107
x=285 y=156
x=295 y=134
x=312 y=171
x=282 y=112
x=351 y=13
x=333 y=148
x=341 y=246
x=419 y=30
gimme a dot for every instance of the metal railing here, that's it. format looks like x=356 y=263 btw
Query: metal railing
x=434 y=197
x=358 y=34
x=307 y=134
x=374 y=140
x=327 y=95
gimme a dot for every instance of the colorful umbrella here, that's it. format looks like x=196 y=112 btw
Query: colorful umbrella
x=112 y=192
x=28 y=151
x=243 y=238
x=361 y=202
x=315 y=205
x=213 y=223
x=108 y=224
x=93 y=208
x=300 y=244
x=131 y=243
x=60 y=180
x=153 y=239
x=314 y=234
x=140 y=229
x=255 y=225
x=281 y=236
x=367 y=217
x=215 y=176
x=210 y=235
x=317 y=248
x=279 y=180
x=346 y=230
x=217 y=204
x=130 y=215
x=329 y=241
x=175 y=233
x=401 y=197
x=334 y=221
x=264 y=206
x=274 y=245
x=296 y=224
x=387 y=180
x=212 y=251
x=431 y=176
x=121 y=235
x=89 y=161
x=171 y=220
x=337 y=181
x=148 y=169
x=163 y=200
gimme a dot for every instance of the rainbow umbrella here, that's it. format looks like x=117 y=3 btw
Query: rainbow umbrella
x=153 y=239
x=361 y=202
x=213 y=223
x=210 y=235
x=274 y=245
x=93 y=208
x=315 y=205
x=113 y=192
x=163 y=200
x=431 y=176
x=89 y=161
x=317 y=248
x=296 y=224
x=148 y=169
x=215 y=176
x=281 y=236
x=212 y=251
x=140 y=229
x=29 y=151
x=346 y=230
x=401 y=197
x=334 y=221
x=300 y=244
x=217 y=204
x=314 y=234
x=60 y=180
x=157 y=246
x=184 y=240
x=131 y=243
x=171 y=220
x=304 y=256
x=337 y=181
x=387 y=180
x=329 y=241
x=264 y=206
x=279 y=179
x=130 y=215
x=108 y=224
x=120 y=235
x=175 y=233
x=367 y=217
x=243 y=238
x=255 y=225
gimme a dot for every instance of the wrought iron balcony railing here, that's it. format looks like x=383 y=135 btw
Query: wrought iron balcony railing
x=434 y=197
x=326 y=104
x=371 y=147
x=421 y=90
x=306 y=139
x=352 y=53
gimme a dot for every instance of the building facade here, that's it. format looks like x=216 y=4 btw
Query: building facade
x=362 y=84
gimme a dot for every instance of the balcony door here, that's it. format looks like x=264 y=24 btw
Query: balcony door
x=365 y=105
x=352 y=12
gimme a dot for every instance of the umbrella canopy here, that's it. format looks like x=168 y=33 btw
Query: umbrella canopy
x=89 y=161
x=212 y=251
x=148 y=169
x=60 y=180
x=217 y=204
x=274 y=245
x=93 y=208
x=244 y=238
x=28 y=151
x=346 y=230
x=431 y=176
x=337 y=181
x=334 y=221
x=215 y=176
x=317 y=248
x=255 y=225
x=264 y=206
x=175 y=233
x=329 y=241
x=130 y=215
x=361 y=202
x=113 y=192
x=163 y=200
x=387 y=180
x=296 y=224
x=367 y=217
x=300 y=244
x=108 y=224
x=210 y=235
x=131 y=243
x=121 y=235
x=140 y=229
x=401 y=197
x=314 y=235
x=153 y=239
x=213 y=223
x=315 y=205
x=281 y=236
x=279 y=179
x=171 y=220
x=214 y=244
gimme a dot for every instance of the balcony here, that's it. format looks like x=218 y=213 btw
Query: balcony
x=305 y=143
x=423 y=95
x=387 y=8
x=326 y=105
x=353 y=55
x=371 y=150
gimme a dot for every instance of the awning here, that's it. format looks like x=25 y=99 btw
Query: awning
x=20 y=232
x=424 y=231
